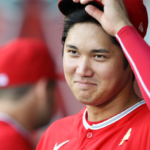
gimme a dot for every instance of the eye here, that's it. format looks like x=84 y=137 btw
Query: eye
x=73 y=52
x=99 y=57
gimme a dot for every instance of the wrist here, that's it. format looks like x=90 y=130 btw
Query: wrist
x=122 y=26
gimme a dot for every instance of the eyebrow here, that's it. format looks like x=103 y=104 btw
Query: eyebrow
x=71 y=46
x=93 y=51
x=100 y=51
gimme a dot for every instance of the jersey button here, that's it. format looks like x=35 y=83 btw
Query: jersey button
x=89 y=135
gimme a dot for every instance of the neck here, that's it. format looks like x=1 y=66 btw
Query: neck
x=123 y=100
x=20 y=111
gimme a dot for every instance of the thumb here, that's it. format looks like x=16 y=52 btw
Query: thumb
x=94 y=12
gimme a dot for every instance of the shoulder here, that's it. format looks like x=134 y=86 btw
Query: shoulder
x=11 y=139
x=66 y=122
x=61 y=130
x=7 y=129
x=140 y=119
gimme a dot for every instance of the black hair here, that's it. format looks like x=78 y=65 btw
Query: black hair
x=79 y=15
x=14 y=93
x=17 y=92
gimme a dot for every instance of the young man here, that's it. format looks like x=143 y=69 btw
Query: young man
x=26 y=91
x=115 y=118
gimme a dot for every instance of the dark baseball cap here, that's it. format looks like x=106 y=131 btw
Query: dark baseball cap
x=136 y=10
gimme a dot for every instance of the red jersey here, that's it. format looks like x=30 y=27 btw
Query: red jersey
x=128 y=130
x=12 y=135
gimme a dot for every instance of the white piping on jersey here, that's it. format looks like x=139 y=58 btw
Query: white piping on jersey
x=134 y=66
x=111 y=120
x=14 y=124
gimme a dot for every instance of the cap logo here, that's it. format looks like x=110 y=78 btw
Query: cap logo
x=4 y=80
x=141 y=27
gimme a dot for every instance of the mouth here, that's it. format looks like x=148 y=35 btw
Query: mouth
x=85 y=84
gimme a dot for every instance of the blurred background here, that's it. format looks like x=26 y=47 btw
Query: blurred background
x=42 y=19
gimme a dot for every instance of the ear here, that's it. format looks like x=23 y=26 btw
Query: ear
x=41 y=90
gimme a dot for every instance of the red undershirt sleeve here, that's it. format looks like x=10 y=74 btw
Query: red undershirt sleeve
x=137 y=51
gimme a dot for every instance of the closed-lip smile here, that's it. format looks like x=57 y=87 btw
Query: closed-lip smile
x=85 y=84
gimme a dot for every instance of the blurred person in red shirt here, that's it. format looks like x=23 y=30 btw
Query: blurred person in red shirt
x=27 y=81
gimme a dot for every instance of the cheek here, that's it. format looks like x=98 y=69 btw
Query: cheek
x=109 y=71
x=69 y=66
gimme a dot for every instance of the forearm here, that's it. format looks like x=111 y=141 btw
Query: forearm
x=137 y=52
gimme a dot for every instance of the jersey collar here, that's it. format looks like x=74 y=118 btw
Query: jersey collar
x=14 y=124
x=112 y=119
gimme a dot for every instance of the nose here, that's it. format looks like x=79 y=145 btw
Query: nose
x=84 y=68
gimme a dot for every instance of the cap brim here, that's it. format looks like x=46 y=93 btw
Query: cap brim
x=67 y=6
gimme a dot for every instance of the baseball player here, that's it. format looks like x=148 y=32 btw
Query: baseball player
x=102 y=50
x=26 y=91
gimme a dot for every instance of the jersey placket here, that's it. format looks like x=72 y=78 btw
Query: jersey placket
x=85 y=138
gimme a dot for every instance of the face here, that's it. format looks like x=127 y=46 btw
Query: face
x=93 y=65
x=46 y=107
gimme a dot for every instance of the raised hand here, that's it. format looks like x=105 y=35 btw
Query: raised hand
x=114 y=16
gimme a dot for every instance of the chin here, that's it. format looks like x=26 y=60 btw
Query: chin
x=89 y=103
x=89 y=100
x=85 y=100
